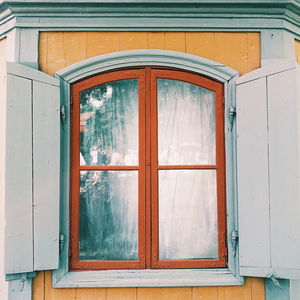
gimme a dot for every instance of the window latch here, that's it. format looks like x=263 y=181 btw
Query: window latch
x=234 y=241
x=61 y=242
x=232 y=115
x=63 y=114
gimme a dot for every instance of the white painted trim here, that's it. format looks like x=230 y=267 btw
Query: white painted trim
x=112 y=278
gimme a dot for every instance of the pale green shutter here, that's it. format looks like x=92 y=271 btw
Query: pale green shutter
x=32 y=170
x=268 y=160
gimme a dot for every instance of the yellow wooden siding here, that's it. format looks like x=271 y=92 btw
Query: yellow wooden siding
x=253 y=289
x=297 y=51
x=239 y=50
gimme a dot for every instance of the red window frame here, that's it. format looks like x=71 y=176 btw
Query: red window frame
x=148 y=168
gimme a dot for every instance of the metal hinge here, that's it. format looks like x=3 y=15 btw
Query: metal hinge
x=232 y=115
x=274 y=279
x=63 y=114
x=234 y=241
x=61 y=242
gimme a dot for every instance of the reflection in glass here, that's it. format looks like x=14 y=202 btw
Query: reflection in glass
x=109 y=124
x=108 y=215
x=187 y=214
x=186 y=124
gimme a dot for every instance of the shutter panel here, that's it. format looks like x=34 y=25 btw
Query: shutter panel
x=268 y=161
x=31 y=171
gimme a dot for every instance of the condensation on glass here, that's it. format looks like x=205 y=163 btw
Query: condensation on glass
x=186 y=124
x=108 y=215
x=187 y=214
x=109 y=124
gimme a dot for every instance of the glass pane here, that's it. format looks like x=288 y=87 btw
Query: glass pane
x=109 y=124
x=187 y=214
x=108 y=215
x=186 y=124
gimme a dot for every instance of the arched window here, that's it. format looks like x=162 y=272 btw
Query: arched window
x=147 y=171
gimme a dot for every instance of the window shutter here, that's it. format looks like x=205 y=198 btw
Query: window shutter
x=268 y=161
x=32 y=170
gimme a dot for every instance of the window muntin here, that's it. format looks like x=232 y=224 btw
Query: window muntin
x=149 y=171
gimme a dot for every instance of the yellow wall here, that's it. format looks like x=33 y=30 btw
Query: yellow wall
x=240 y=51
x=297 y=51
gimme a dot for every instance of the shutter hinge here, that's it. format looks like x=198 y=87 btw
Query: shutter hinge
x=234 y=241
x=273 y=278
x=61 y=242
x=232 y=115
x=63 y=114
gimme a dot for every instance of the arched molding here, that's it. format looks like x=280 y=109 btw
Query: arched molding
x=146 y=57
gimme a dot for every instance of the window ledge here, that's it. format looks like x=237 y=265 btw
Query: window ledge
x=148 y=278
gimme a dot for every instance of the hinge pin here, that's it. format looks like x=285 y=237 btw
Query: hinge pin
x=63 y=114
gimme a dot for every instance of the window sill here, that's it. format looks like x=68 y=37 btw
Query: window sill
x=147 y=278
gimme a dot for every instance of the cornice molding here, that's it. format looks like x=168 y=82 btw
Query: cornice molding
x=156 y=15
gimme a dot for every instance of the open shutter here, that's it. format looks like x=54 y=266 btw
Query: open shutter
x=32 y=170
x=268 y=160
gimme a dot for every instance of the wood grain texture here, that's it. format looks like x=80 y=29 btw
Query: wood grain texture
x=121 y=294
x=177 y=293
x=297 y=50
x=238 y=50
x=38 y=291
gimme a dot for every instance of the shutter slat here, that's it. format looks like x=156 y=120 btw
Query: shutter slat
x=45 y=174
x=18 y=177
x=253 y=191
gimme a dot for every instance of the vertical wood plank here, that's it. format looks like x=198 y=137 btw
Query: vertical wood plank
x=156 y=40
x=149 y=294
x=38 y=287
x=231 y=49
x=297 y=51
x=175 y=41
x=201 y=44
x=238 y=292
x=46 y=174
x=253 y=61
x=55 y=52
x=257 y=289
x=284 y=114
x=91 y=294
x=18 y=177
x=98 y=43
x=74 y=47
x=133 y=40
x=253 y=171
x=43 y=51
x=121 y=294
x=205 y=293
x=57 y=294
x=177 y=293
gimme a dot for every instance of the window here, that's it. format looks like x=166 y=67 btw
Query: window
x=147 y=171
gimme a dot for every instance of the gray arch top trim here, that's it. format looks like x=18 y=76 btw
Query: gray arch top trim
x=147 y=57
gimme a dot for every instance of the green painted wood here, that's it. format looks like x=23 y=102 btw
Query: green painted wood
x=18 y=176
x=278 y=292
x=20 y=290
x=32 y=170
x=46 y=174
x=157 y=15
x=252 y=171
x=277 y=44
x=268 y=178
x=29 y=45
